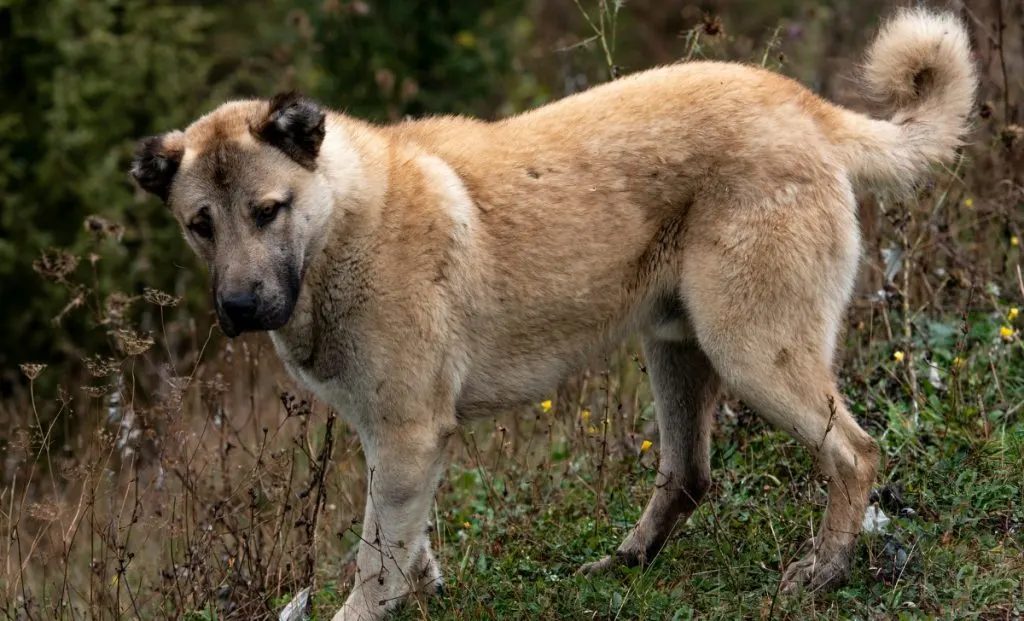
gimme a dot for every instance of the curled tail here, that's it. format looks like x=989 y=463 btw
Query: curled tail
x=919 y=67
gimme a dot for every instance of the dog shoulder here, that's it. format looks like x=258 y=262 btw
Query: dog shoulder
x=449 y=191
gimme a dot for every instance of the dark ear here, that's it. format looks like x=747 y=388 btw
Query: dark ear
x=296 y=126
x=156 y=162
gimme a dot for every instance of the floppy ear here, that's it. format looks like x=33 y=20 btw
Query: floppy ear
x=156 y=162
x=296 y=126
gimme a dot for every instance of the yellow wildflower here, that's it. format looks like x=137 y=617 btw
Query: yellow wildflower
x=958 y=362
x=585 y=416
x=1006 y=332
x=465 y=39
x=466 y=525
x=1014 y=241
x=645 y=446
x=898 y=356
x=546 y=405
x=1012 y=313
x=591 y=429
x=969 y=202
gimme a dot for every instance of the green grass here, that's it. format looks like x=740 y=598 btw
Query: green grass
x=510 y=537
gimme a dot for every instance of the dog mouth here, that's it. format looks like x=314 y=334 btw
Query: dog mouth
x=234 y=327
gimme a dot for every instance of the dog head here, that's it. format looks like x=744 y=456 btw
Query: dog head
x=243 y=183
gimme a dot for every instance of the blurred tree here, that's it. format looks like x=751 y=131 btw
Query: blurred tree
x=385 y=60
x=997 y=28
x=79 y=80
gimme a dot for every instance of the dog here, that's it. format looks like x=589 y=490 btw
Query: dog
x=423 y=273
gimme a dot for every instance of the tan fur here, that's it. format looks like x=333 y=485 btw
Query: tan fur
x=453 y=267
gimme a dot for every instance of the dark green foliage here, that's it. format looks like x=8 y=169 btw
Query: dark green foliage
x=385 y=60
x=81 y=80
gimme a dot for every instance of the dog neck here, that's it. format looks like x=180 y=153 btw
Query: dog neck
x=355 y=160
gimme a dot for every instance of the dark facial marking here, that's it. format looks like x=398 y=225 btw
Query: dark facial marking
x=221 y=165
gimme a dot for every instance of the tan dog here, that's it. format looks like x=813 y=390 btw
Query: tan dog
x=432 y=271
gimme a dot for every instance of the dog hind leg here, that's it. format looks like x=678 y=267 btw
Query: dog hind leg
x=686 y=391
x=766 y=308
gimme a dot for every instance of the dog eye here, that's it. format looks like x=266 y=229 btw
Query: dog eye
x=202 y=226
x=265 y=212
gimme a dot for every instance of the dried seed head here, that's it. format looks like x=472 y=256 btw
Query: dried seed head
x=44 y=511
x=116 y=306
x=75 y=470
x=711 y=25
x=98 y=391
x=172 y=400
x=294 y=407
x=215 y=385
x=21 y=441
x=100 y=366
x=32 y=370
x=1011 y=135
x=154 y=296
x=131 y=342
x=55 y=264
x=103 y=228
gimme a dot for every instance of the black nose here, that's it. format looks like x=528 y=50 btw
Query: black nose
x=240 y=307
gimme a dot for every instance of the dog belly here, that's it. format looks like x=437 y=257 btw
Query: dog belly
x=528 y=370
x=513 y=384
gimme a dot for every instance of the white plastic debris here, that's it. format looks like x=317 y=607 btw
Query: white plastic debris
x=875 y=520
x=296 y=609
x=934 y=378
x=893 y=258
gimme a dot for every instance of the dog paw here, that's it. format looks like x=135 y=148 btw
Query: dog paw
x=815 y=570
x=439 y=590
x=430 y=579
x=597 y=567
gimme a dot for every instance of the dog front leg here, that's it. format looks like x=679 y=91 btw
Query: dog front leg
x=404 y=464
